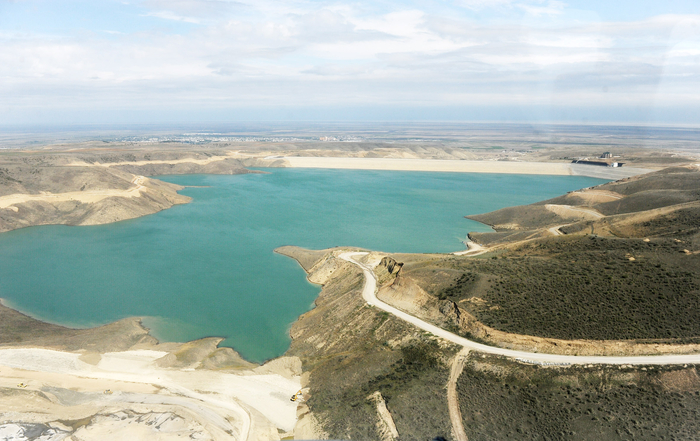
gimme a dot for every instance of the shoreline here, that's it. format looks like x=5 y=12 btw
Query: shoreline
x=462 y=166
x=112 y=368
x=393 y=164
x=245 y=410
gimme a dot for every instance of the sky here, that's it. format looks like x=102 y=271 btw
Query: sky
x=175 y=61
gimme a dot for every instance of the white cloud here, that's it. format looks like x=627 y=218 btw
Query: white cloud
x=533 y=7
x=281 y=53
x=193 y=8
x=552 y=7
x=169 y=15
x=478 y=5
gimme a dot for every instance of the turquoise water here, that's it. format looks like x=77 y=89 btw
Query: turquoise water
x=207 y=268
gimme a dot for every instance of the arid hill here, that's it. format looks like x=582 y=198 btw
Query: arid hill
x=96 y=187
x=655 y=204
x=608 y=270
x=353 y=353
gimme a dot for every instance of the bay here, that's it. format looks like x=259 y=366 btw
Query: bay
x=207 y=268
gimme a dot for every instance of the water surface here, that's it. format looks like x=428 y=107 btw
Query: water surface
x=207 y=268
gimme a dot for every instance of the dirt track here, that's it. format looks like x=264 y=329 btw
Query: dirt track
x=369 y=292
x=453 y=398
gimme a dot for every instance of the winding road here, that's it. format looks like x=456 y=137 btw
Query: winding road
x=369 y=294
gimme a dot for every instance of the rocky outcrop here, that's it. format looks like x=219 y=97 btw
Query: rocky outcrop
x=385 y=423
x=204 y=353
x=406 y=295
x=345 y=345
x=387 y=271
x=392 y=266
x=324 y=269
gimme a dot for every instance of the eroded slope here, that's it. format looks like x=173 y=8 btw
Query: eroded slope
x=351 y=351
x=89 y=188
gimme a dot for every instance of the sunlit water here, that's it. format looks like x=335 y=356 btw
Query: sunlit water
x=207 y=268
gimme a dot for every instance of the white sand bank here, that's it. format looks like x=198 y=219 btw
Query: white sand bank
x=439 y=165
x=463 y=166
x=248 y=405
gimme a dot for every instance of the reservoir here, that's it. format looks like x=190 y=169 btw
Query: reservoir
x=207 y=268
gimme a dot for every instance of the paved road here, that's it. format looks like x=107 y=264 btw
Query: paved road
x=370 y=296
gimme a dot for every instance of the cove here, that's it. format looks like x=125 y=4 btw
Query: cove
x=207 y=268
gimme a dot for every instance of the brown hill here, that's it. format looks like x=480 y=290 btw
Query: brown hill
x=632 y=207
x=88 y=188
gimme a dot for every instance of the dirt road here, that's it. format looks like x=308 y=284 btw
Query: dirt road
x=452 y=399
x=369 y=294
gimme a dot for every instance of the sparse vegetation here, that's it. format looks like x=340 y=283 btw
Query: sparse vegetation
x=378 y=353
x=410 y=379
x=672 y=188
x=578 y=288
x=459 y=287
x=502 y=400
x=638 y=282
x=594 y=295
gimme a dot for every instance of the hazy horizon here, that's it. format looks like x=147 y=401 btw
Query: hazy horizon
x=464 y=134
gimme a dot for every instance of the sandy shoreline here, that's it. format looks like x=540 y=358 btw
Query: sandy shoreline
x=120 y=380
x=462 y=166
